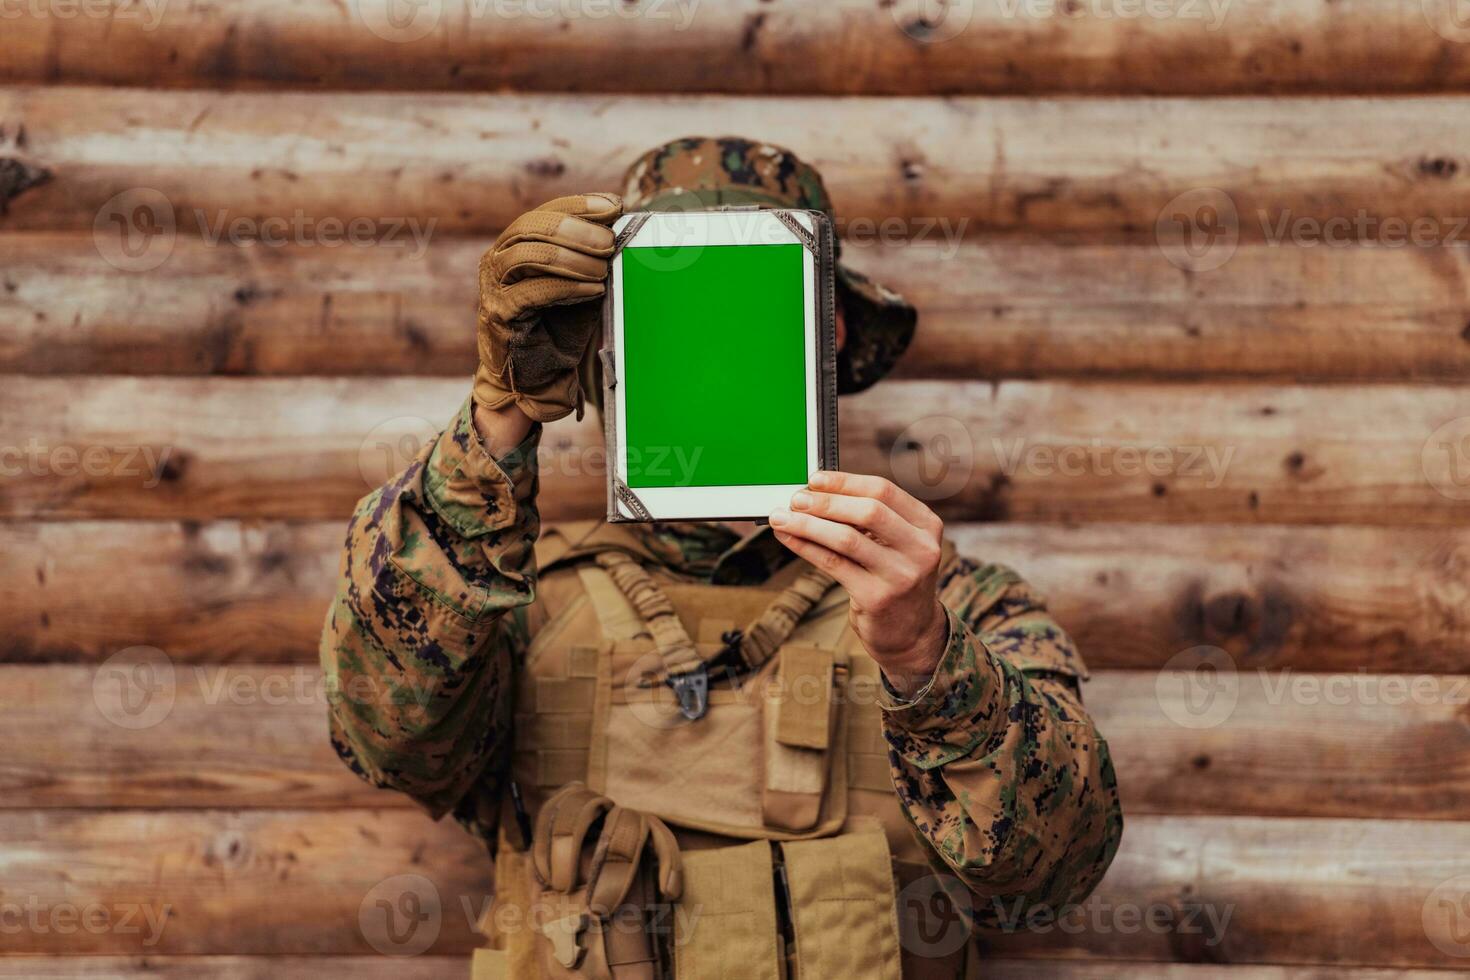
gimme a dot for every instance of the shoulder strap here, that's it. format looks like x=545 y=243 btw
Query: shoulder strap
x=617 y=617
x=577 y=540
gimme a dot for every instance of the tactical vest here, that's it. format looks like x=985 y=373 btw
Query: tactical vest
x=773 y=777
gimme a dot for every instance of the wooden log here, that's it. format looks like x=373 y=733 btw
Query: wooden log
x=274 y=882
x=1183 y=889
x=1287 y=743
x=147 y=730
x=403 y=169
x=1300 y=598
x=988 y=310
x=1095 y=970
x=437 y=967
x=774 y=46
x=241 y=967
x=1027 y=451
x=1231 y=890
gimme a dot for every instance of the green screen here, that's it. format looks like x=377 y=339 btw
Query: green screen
x=714 y=368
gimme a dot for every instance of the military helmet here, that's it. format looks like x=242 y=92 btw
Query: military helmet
x=702 y=172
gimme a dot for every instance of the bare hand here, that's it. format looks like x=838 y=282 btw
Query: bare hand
x=882 y=545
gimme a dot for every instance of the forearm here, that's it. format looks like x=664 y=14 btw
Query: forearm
x=996 y=762
x=422 y=635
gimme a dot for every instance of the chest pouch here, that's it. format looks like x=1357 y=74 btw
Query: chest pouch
x=731 y=731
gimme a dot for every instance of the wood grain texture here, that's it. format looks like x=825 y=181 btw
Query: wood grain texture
x=439 y=967
x=1003 y=969
x=1351 y=892
x=144 y=731
x=988 y=309
x=288 y=882
x=459 y=163
x=1288 y=744
x=774 y=46
x=1303 y=598
x=1026 y=451
x=292 y=883
x=241 y=967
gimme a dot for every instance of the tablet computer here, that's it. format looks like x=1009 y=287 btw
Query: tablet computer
x=719 y=362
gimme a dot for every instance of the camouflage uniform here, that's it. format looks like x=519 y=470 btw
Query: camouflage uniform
x=998 y=768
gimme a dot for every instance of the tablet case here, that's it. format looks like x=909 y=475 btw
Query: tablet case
x=822 y=246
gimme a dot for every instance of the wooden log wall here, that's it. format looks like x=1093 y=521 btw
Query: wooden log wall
x=1193 y=351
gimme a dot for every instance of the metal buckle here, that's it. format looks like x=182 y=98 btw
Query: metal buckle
x=692 y=690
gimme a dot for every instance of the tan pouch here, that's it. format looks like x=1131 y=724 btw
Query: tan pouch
x=843 y=907
x=727 y=917
x=758 y=764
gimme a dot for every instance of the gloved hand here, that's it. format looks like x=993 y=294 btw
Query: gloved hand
x=539 y=287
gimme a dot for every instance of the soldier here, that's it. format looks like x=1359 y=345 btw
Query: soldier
x=879 y=706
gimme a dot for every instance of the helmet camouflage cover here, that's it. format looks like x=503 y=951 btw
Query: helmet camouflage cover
x=703 y=172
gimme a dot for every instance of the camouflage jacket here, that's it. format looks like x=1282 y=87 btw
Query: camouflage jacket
x=995 y=761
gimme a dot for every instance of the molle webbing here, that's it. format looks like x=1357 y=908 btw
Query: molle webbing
x=670 y=639
x=771 y=629
x=758 y=642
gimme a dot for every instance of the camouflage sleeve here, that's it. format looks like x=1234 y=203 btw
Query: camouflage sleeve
x=999 y=768
x=429 y=617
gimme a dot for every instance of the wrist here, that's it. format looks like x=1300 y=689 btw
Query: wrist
x=501 y=429
x=909 y=672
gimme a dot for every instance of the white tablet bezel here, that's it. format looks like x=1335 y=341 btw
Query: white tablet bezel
x=690 y=228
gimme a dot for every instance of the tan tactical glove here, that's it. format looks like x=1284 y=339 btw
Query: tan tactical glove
x=539 y=287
